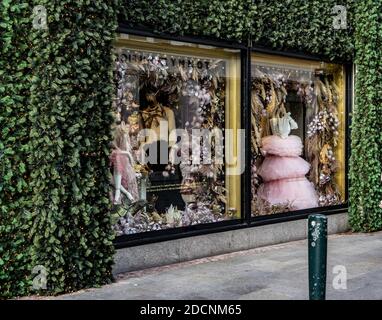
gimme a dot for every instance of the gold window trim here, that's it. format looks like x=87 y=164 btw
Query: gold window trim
x=233 y=92
x=339 y=79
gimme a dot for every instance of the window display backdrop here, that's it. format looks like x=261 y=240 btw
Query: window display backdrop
x=298 y=134
x=172 y=85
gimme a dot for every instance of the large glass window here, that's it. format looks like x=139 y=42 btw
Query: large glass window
x=298 y=134
x=174 y=104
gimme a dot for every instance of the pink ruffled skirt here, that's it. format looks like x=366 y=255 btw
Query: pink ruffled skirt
x=288 y=147
x=283 y=172
x=275 y=168
x=299 y=193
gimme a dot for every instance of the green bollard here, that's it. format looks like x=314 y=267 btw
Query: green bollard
x=318 y=244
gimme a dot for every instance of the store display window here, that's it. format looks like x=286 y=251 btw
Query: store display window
x=298 y=134
x=174 y=103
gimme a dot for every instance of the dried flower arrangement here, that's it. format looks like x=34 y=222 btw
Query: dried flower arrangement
x=320 y=99
x=268 y=97
x=322 y=139
x=203 y=186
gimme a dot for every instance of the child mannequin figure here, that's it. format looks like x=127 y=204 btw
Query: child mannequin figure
x=123 y=171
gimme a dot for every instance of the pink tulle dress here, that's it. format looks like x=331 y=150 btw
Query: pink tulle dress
x=283 y=172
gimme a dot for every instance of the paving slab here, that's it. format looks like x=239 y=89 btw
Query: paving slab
x=278 y=272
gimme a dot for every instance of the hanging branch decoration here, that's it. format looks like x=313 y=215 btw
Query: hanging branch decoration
x=322 y=139
x=203 y=184
x=268 y=97
x=320 y=100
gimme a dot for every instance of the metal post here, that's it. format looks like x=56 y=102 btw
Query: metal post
x=318 y=243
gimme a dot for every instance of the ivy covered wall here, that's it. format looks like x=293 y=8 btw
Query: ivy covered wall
x=366 y=160
x=55 y=103
x=14 y=146
x=55 y=119
x=299 y=25
x=70 y=116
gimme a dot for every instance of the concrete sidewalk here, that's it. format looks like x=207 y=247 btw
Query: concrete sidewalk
x=274 y=272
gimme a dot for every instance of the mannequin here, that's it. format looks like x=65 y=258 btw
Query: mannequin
x=123 y=170
x=282 y=126
x=283 y=170
x=153 y=116
x=163 y=176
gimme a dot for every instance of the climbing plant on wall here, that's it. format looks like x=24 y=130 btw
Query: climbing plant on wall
x=304 y=26
x=231 y=19
x=14 y=146
x=300 y=25
x=55 y=115
x=55 y=103
x=70 y=115
x=366 y=160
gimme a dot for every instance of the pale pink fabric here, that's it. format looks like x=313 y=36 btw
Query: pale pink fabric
x=288 y=147
x=122 y=165
x=283 y=172
x=275 y=168
x=299 y=194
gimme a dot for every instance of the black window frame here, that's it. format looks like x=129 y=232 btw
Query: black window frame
x=246 y=220
x=327 y=210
